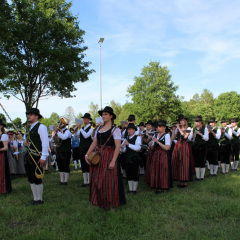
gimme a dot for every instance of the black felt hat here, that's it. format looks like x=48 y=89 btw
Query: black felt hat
x=131 y=118
x=234 y=120
x=87 y=115
x=10 y=132
x=35 y=111
x=212 y=119
x=180 y=117
x=224 y=120
x=109 y=110
x=161 y=123
x=131 y=125
x=149 y=122
x=2 y=123
x=141 y=124
x=198 y=119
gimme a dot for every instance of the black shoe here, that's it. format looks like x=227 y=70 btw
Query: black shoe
x=197 y=179
x=214 y=175
x=32 y=203
x=40 y=202
x=65 y=183
x=83 y=185
x=223 y=173
x=128 y=192
x=134 y=192
x=202 y=179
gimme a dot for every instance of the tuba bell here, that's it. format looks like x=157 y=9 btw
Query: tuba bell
x=57 y=140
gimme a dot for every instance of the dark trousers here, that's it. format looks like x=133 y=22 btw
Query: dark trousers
x=63 y=161
x=85 y=166
x=75 y=154
x=143 y=157
x=212 y=154
x=30 y=168
x=235 y=151
x=132 y=166
x=199 y=154
x=225 y=153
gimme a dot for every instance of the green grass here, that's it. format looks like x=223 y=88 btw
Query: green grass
x=204 y=210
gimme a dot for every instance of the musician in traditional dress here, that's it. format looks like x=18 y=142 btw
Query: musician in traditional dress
x=63 y=151
x=85 y=135
x=132 y=146
x=225 y=146
x=5 y=177
x=181 y=164
x=235 y=143
x=37 y=152
x=199 y=135
x=124 y=134
x=141 y=126
x=75 y=151
x=106 y=186
x=213 y=146
x=20 y=155
x=12 y=149
x=160 y=166
x=132 y=119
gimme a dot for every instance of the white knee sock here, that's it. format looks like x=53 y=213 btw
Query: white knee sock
x=84 y=178
x=75 y=164
x=34 y=191
x=202 y=172
x=223 y=167
x=232 y=165
x=215 y=168
x=79 y=162
x=197 y=170
x=39 y=188
x=66 y=176
x=135 y=185
x=211 y=169
x=61 y=177
x=87 y=177
x=130 y=185
x=227 y=167
x=236 y=164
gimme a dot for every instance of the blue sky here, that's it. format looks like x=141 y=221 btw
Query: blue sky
x=198 y=41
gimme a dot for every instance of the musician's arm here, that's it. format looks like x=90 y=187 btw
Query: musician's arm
x=43 y=133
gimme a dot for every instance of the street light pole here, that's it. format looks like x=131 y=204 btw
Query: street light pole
x=100 y=42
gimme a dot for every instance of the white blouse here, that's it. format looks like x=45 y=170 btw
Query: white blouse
x=116 y=133
x=4 y=137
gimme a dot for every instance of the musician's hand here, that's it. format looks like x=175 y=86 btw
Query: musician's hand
x=25 y=143
x=86 y=159
x=223 y=130
x=155 y=140
x=42 y=163
x=111 y=165
x=79 y=125
x=126 y=143
x=197 y=132
x=210 y=130
x=55 y=128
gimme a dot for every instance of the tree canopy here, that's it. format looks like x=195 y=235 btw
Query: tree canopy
x=41 y=50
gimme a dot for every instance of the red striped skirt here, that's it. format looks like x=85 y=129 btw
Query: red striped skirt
x=5 y=180
x=160 y=172
x=104 y=181
x=148 y=166
x=181 y=161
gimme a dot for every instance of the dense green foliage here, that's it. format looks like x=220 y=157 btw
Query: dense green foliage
x=41 y=50
x=204 y=210
x=154 y=94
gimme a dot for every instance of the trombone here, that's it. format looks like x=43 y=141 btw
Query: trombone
x=29 y=150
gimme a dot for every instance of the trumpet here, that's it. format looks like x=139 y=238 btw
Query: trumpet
x=73 y=128
x=57 y=140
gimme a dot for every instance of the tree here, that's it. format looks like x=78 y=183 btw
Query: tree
x=2 y=116
x=117 y=107
x=70 y=115
x=93 y=110
x=154 y=94
x=52 y=120
x=227 y=105
x=199 y=105
x=44 y=54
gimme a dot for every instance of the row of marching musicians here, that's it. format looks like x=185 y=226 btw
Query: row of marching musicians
x=177 y=154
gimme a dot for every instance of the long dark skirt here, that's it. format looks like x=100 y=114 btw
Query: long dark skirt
x=106 y=186
x=160 y=170
x=181 y=164
x=148 y=166
x=5 y=178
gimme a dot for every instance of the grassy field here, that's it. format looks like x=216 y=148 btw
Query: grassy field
x=204 y=210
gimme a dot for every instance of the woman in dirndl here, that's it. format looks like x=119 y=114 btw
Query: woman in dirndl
x=20 y=155
x=181 y=164
x=106 y=185
x=160 y=178
x=5 y=177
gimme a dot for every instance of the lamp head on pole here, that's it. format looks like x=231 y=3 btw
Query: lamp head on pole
x=101 y=40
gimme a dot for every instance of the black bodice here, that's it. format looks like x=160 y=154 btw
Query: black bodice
x=102 y=138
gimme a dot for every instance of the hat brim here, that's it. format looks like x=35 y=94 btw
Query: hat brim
x=87 y=117
x=135 y=128
x=111 y=113
x=179 y=119
x=39 y=115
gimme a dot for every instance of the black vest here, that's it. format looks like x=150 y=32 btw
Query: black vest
x=35 y=138
x=161 y=140
x=65 y=145
x=235 y=139
x=85 y=142
x=212 y=141
x=129 y=152
x=198 y=140
x=1 y=143
x=224 y=139
x=103 y=137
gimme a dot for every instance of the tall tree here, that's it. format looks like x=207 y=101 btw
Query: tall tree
x=93 y=110
x=70 y=115
x=44 y=54
x=154 y=94
x=227 y=105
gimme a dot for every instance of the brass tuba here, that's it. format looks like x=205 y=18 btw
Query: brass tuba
x=57 y=140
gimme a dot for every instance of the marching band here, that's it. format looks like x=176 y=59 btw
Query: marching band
x=160 y=152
